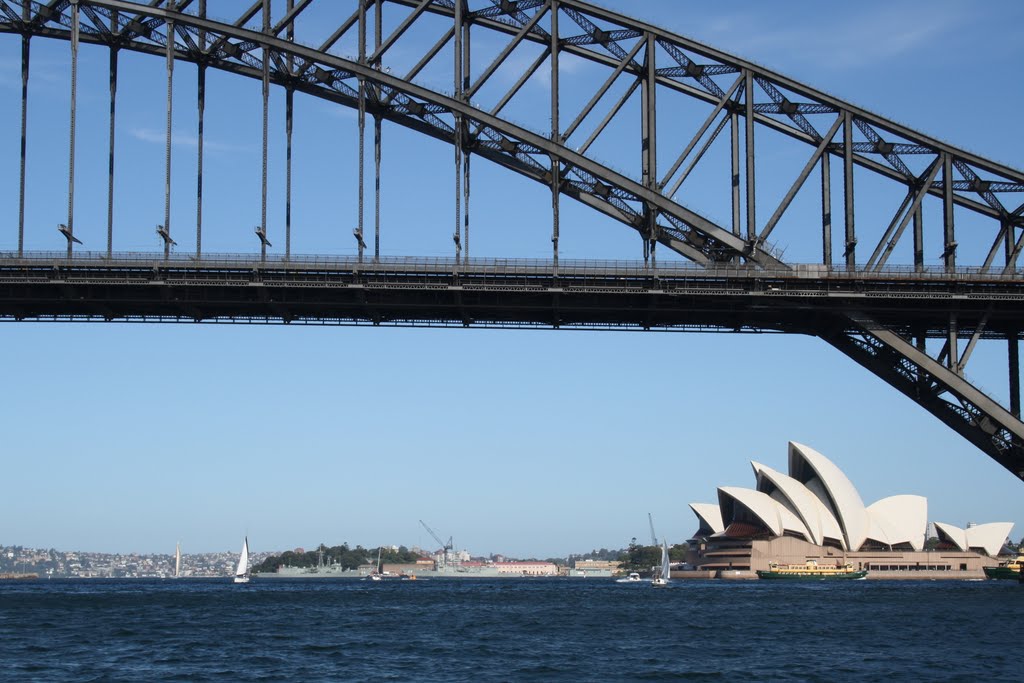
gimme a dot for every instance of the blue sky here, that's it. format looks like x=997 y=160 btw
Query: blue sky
x=130 y=437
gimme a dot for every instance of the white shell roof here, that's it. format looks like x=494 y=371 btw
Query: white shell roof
x=953 y=534
x=899 y=519
x=771 y=512
x=710 y=515
x=989 y=536
x=820 y=523
x=879 y=531
x=818 y=501
x=849 y=508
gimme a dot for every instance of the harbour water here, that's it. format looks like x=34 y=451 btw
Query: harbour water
x=510 y=630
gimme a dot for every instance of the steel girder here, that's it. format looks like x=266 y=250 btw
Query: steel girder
x=939 y=389
x=634 y=52
x=649 y=61
x=234 y=48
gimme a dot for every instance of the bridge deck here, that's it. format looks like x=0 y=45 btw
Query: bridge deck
x=501 y=292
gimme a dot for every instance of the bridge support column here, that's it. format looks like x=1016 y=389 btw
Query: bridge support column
x=378 y=132
x=923 y=381
x=826 y=209
x=734 y=128
x=25 y=53
x=289 y=115
x=358 y=232
x=649 y=144
x=465 y=198
x=165 y=230
x=1013 y=335
x=556 y=134
x=266 y=132
x=919 y=239
x=953 y=345
x=201 y=106
x=1014 y=363
x=466 y=73
x=850 y=248
x=69 y=229
x=457 y=133
x=110 y=158
x=751 y=205
x=457 y=234
x=949 y=245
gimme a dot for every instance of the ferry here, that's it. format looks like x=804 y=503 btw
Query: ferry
x=811 y=570
x=1011 y=569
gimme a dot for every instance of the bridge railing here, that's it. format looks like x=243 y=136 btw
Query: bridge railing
x=498 y=266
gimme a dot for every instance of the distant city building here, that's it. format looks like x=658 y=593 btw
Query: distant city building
x=58 y=564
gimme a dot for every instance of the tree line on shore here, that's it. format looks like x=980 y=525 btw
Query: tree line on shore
x=342 y=555
x=634 y=558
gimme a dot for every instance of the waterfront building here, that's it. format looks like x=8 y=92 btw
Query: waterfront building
x=815 y=513
x=419 y=566
x=595 y=568
x=527 y=568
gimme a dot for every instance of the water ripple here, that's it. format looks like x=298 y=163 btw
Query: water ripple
x=508 y=630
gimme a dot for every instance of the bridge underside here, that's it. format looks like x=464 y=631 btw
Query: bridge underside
x=506 y=294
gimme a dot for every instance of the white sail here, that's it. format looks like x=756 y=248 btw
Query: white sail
x=177 y=560
x=661 y=574
x=242 y=571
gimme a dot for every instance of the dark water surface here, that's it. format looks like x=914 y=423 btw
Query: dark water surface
x=511 y=630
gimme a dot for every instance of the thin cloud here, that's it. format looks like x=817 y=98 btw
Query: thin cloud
x=568 y=65
x=41 y=71
x=843 y=43
x=180 y=139
x=340 y=111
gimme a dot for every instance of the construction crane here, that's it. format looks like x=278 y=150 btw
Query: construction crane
x=446 y=547
x=654 y=538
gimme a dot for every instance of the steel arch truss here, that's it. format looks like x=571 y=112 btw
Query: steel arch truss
x=629 y=61
x=939 y=388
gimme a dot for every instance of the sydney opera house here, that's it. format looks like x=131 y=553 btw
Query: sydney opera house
x=815 y=512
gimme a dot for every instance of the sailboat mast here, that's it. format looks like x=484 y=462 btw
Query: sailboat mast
x=242 y=571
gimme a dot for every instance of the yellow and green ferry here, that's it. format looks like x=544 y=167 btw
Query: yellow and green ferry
x=1006 y=570
x=811 y=570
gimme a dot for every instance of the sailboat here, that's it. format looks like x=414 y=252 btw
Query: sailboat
x=661 y=577
x=376 y=575
x=242 y=571
x=177 y=560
